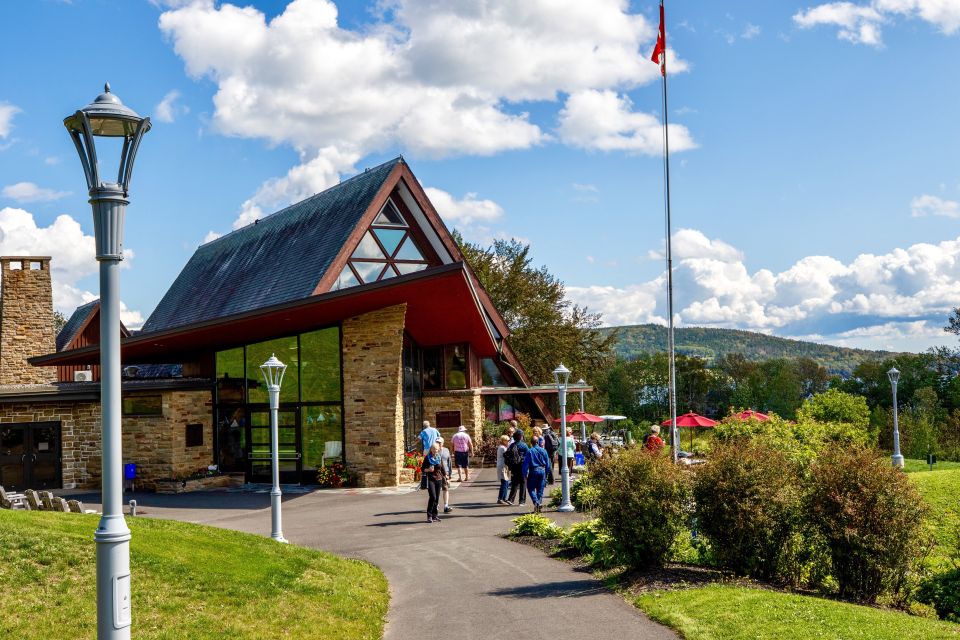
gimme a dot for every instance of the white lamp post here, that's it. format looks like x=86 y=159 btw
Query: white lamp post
x=561 y=375
x=894 y=376
x=583 y=425
x=107 y=117
x=273 y=371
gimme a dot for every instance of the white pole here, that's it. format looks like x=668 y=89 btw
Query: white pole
x=897 y=458
x=276 y=531
x=565 y=504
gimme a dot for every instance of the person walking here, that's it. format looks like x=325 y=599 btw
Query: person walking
x=514 y=457
x=537 y=436
x=462 y=448
x=551 y=443
x=432 y=470
x=512 y=429
x=571 y=453
x=503 y=472
x=448 y=473
x=428 y=436
x=536 y=463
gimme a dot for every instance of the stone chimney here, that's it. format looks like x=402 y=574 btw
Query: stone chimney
x=26 y=319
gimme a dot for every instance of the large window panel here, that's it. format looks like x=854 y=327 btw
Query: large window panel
x=320 y=365
x=455 y=366
x=322 y=436
x=231 y=380
x=286 y=351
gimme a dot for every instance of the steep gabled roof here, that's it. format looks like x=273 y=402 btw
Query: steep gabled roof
x=278 y=259
x=76 y=324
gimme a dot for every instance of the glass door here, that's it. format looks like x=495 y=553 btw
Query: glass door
x=258 y=442
x=44 y=463
x=13 y=457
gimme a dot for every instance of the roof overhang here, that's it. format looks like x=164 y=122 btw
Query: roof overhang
x=442 y=308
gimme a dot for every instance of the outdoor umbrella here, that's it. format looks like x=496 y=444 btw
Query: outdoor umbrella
x=581 y=417
x=750 y=414
x=691 y=421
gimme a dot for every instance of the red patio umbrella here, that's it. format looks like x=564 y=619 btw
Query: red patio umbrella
x=750 y=414
x=691 y=421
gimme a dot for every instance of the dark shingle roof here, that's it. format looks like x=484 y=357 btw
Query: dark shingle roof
x=75 y=324
x=281 y=258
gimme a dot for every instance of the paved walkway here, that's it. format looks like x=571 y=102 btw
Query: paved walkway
x=458 y=577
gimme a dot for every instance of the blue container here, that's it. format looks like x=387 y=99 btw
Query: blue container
x=578 y=459
x=130 y=471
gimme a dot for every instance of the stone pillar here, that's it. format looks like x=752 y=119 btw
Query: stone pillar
x=468 y=402
x=373 y=395
x=26 y=319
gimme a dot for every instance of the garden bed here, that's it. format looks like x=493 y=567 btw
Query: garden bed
x=199 y=484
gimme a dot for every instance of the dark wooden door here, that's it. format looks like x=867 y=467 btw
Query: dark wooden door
x=30 y=456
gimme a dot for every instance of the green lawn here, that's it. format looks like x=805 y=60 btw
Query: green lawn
x=189 y=581
x=721 y=612
x=941 y=490
x=912 y=466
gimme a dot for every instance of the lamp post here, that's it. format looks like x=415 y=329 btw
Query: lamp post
x=894 y=376
x=107 y=117
x=561 y=375
x=583 y=425
x=273 y=371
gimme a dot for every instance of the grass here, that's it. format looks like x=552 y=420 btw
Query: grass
x=723 y=612
x=913 y=466
x=940 y=489
x=189 y=581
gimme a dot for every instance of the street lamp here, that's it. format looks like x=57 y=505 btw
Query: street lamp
x=108 y=117
x=273 y=371
x=561 y=375
x=894 y=376
x=583 y=425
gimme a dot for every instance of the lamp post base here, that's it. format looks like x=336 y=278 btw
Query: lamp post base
x=897 y=461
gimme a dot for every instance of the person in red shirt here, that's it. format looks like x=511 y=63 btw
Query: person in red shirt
x=653 y=442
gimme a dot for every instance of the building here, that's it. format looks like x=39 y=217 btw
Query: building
x=359 y=289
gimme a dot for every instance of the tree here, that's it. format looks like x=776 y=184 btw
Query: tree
x=834 y=405
x=59 y=321
x=546 y=328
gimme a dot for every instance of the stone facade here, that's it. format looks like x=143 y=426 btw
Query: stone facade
x=26 y=319
x=373 y=395
x=468 y=402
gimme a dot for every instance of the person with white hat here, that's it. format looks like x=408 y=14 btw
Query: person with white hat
x=462 y=448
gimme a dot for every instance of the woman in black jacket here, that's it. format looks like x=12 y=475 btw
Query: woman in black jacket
x=433 y=471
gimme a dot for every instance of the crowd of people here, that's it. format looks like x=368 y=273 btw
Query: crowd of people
x=524 y=466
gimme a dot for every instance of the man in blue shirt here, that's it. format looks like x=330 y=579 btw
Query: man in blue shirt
x=428 y=436
x=536 y=465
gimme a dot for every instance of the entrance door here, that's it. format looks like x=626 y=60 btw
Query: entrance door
x=258 y=456
x=30 y=456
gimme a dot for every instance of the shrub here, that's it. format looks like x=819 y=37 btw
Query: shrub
x=643 y=503
x=335 y=474
x=748 y=501
x=871 y=519
x=606 y=552
x=942 y=592
x=583 y=495
x=533 y=524
x=582 y=535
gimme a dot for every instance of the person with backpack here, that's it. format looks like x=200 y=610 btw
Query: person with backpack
x=514 y=457
x=536 y=463
x=433 y=471
x=447 y=473
x=551 y=443
x=653 y=442
x=593 y=450
x=503 y=472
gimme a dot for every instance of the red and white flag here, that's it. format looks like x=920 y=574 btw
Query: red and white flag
x=660 y=49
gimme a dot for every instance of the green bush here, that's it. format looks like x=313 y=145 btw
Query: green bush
x=871 y=519
x=533 y=524
x=643 y=503
x=581 y=536
x=748 y=505
x=692 y=549
x=583 y=496
x=606 y=552
x=942 y=592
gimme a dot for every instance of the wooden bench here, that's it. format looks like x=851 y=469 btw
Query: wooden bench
x=12 y=500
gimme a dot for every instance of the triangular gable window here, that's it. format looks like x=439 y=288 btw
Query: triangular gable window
x=409 y=251
x=390 y=239
x=390 y=216
x=368 y=249
x=345 y=279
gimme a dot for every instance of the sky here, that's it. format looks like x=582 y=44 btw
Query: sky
x=815 y=179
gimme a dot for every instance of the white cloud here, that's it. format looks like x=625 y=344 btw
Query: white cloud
x=927 y=205
x=7 y=111
x=464 y=211
x=71 y=251
x=210 y=237
x=861 y=23
x=605 y=121
x=168 y=110
x=435 y=78
x=750 y=32
x=907 y=290
x=52 y=160
x=30 y=192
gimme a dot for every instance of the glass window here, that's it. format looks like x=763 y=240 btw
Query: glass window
x=368 y=271
x=433 y=368
x=143 y=405
x=286 y=351
x=345 y=279
x=388 y=273
x=507 y=410
x=490 y=408
x=455 y=366
x=368 y=249
x=409 y=251
x=390 y=239
x=409 y=267
x=390 y=215
x=320 y=365
x=230 y=378
x=322 y=436
x=490 y=373
x=231 y=438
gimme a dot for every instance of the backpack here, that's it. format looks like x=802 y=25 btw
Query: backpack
x=513 y=455
x=553 y=441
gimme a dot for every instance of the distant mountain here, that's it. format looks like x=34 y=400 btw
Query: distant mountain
x=706 y=343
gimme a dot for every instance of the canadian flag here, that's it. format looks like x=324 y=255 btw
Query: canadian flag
x=660 y=49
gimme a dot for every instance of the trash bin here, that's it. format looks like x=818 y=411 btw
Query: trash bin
x=578 y=459
x=130 y=471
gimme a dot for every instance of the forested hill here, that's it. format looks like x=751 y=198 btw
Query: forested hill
x=710 y=343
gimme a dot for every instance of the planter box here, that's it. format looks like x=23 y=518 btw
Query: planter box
x=200 y=484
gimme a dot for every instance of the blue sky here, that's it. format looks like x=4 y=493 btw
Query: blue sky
x=816 y=187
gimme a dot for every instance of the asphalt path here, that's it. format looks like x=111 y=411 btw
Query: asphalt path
x=459 y=577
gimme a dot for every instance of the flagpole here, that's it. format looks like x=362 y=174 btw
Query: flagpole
x=671 y=344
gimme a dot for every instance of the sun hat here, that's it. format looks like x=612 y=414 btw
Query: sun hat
x=462 y=428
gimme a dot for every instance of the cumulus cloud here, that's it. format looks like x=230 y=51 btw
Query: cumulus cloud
x=470 y=215
x=905 y=290
x=927 y=205
x=750 y=31
x=861 y=23
x=7 y=111
x=168 y=110
x=71 y=251
x=606 y=121
x=433 y=77
x=30 y=192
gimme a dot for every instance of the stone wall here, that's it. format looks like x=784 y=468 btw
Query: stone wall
x=468 y=402
x=373 y=395
x=26 y=320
